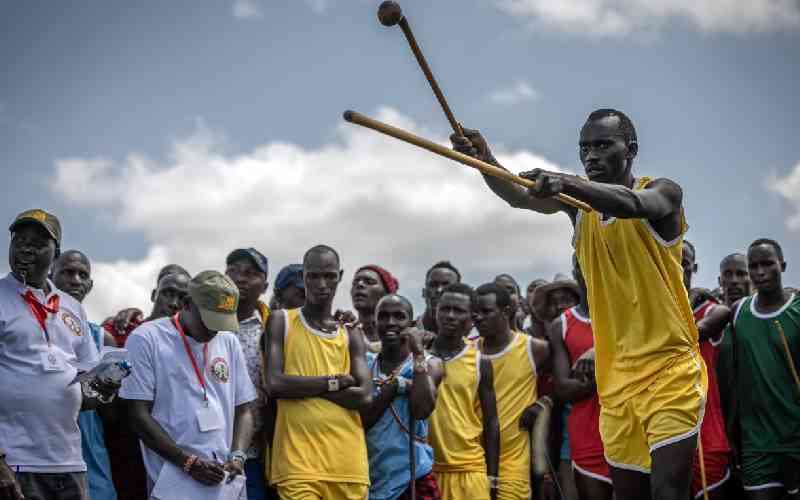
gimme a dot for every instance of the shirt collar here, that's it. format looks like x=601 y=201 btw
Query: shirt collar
x=22 y=288
x=256 y=317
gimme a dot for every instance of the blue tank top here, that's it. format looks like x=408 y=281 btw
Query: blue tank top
x=387 y=442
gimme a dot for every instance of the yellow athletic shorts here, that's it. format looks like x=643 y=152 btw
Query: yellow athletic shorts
x=463 y=485
x=321 y=490
x=513 y=489
x=669 y=410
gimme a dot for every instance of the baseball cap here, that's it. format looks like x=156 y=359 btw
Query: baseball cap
x=290 y=275
x=217 y=298
x=251 y=253
x=44 y=219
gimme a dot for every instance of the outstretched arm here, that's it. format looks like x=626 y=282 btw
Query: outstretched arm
x=491 y=423
x=282 y=386
x=658 y=200
x=473 y=144
x=360 y=394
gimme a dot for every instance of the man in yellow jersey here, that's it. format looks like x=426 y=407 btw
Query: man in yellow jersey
x=439 y=276
x=317 y=370
x=465 y=432
x=650 y=376
x=515 y=358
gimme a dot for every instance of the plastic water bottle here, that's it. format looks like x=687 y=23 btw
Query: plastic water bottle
x=111 y=374
x=115 y=372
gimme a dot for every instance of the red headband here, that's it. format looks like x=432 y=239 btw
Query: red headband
x=390 y=283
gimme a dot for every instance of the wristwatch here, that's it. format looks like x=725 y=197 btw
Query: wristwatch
x=238 y=455
x=333 y=384
x=402 y=385
x=420 y=364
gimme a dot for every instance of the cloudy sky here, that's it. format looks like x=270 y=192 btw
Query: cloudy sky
x=176 y=131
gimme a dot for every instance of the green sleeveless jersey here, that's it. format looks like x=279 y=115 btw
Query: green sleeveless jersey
x=769 y=399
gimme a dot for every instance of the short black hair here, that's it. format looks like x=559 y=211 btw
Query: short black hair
x=443 y=264
x=625 y=123
x=67 y=253
x=320 y=250
x=767 y=241
x=510 y=278
x=462 y=289
x=171 y=269
x=502 y=296
x=731 y=256
x=690 y=245
x=405 y=301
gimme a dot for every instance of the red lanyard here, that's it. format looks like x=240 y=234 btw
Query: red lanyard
x=201 y=377
x=41 y=311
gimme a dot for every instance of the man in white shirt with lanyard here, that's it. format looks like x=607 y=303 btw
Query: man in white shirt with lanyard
x=189 y=394
x=43 y=334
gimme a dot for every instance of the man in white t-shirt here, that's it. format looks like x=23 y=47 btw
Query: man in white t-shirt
x=189 y=393
x=43 y=334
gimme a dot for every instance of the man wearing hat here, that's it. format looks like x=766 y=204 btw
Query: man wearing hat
x=248 y=269
x=370 y=284
x=289 y=292
x=43 y=333
x=552 y=299
x=189 y=393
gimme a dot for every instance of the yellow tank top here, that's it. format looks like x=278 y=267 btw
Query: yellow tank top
x=315 y=439
x=641 y=316
x=456 y=424
x=515 y=388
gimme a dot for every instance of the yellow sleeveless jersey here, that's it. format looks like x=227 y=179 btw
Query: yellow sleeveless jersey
x=315 y=439
x=515 y=388
x=641 y=316
x=456 y=424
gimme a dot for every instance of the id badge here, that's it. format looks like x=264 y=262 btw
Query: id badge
x=209 y=418
x=52 y=362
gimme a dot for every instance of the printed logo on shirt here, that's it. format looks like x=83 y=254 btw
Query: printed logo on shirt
x=72 y=322
x=220 y=370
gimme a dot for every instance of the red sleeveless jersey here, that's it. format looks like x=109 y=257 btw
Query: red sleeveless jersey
x=712 y=432
x=583 y=423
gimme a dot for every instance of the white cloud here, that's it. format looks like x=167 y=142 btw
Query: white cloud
x=252 y=9
x=622 y=17
x=247 y=9
x=788 y=188
x=375 y=199
x=520 y=91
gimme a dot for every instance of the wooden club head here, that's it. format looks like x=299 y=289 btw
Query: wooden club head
x=390 y=13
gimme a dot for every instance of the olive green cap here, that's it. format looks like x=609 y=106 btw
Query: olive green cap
x=217 y=298
x=44 y=219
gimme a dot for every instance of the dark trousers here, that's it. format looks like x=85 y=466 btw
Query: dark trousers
x=45 y=486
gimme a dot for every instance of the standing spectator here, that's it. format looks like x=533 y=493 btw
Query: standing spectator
x=189 y=394
x=288 y=292
x=370 y=284
x=43 y=332
x=72 y=273
x=317 y=371
x=766 y=347
x=249 y=269
x=405 y=382
x=127 y=464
